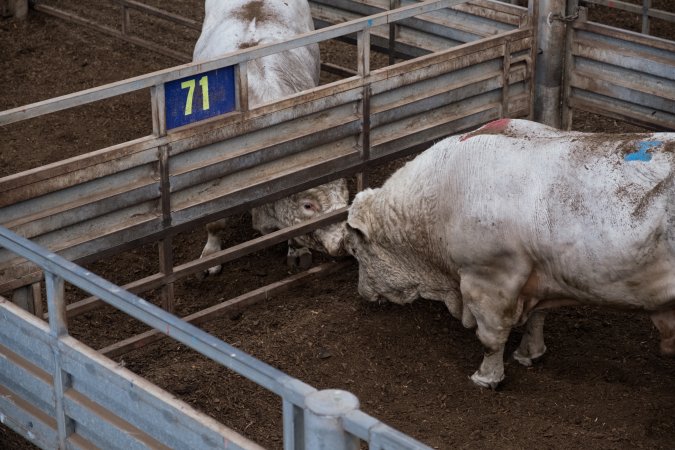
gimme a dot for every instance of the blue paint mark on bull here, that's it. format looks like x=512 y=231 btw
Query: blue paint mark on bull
x=641 y=154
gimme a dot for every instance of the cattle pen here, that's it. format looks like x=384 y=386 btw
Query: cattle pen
x=450 y=70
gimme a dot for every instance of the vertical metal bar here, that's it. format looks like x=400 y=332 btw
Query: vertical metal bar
x=294 y=424
x=363 y=52
x=19 y=8
x=37 y=299
x=393 y=32
x=23 y=298
x=165 y=245
x=158 y=110
x=646 y=5
x=58 y=327
x=533 y=24
x=241 y=75
x=323 y=427
x=506 y=79
x=549 y=71
x=570 y=64
x=126 y=20
x=56 y=305
x=166 y=268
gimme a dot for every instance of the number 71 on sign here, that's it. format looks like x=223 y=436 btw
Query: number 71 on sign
x=199 y=97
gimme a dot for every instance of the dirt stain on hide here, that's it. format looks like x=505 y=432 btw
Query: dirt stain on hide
x=249 y=44
x=254 y=10
x=645 y=202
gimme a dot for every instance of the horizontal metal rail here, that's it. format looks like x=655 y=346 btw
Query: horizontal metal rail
x=97 y=383
x=163 y=76
x=215 y=166
x=157 y=12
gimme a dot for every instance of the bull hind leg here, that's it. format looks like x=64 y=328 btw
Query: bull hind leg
x=665 y=323
x=493 y=301
x=532 y=344
x=213 y=244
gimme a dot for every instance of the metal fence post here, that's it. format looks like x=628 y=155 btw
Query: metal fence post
x=566 y=111
x=323 y=427
x=363 y=55
x=646 y=5
x=58 y=328
x=16 y=8
x=551 y=42
x=24 y=298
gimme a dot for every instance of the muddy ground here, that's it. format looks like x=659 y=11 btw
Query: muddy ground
x=602 y=383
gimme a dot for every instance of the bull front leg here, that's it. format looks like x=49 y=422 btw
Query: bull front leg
x=491 y=296
x=213 y=244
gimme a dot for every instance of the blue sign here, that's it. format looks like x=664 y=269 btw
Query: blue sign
x=199 y=97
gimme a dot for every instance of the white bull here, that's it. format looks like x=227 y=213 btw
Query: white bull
x=238 y=24
x=517 y=217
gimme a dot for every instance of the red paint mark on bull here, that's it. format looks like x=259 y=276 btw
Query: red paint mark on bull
x=494 y=127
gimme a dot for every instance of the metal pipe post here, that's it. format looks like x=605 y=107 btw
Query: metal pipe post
x=323 y=426
x=646 y=5
x=549 y=79
x=16 y=8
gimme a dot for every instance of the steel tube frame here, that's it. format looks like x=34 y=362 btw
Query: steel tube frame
x=294 y=392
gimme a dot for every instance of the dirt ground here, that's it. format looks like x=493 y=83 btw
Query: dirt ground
x=602 y=383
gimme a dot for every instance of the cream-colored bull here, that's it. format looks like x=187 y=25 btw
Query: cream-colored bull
x=231 y=25
x=517 y=217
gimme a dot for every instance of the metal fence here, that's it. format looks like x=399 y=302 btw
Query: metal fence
x=619 y=74
x=59 y=393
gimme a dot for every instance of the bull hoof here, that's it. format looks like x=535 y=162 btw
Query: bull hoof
x=485 y=382
x=527 y=360
x=212 y=271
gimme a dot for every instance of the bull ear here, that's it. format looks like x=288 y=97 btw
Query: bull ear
x=358 y=213
x=358 y=226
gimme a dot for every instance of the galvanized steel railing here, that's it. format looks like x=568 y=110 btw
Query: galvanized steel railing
x=59 y=393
